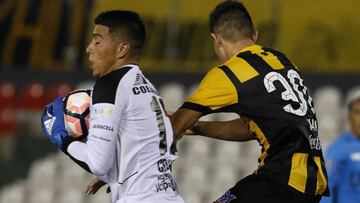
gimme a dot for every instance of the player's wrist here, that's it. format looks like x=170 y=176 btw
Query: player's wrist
x=196 y=128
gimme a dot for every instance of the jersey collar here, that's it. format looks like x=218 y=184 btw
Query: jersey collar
x=252 y=48
x=130 y=65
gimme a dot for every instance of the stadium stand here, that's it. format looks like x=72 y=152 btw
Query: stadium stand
x=204 y=170
x=327 y=102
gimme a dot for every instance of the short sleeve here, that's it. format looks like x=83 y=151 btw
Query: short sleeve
x=214 y=92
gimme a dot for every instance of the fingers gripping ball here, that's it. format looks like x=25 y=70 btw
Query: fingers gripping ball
x=77 y=113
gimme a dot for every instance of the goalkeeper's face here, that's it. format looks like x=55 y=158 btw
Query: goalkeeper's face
x=354 y=118
x=102 y=51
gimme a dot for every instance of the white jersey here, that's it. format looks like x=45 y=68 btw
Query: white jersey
x=130 y=143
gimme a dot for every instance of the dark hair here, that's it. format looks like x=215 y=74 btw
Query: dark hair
x=229 y=17
x=128 y=24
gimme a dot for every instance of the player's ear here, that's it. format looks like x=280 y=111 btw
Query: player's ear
x=123 y=49
x=217 y=38
x=255 y=35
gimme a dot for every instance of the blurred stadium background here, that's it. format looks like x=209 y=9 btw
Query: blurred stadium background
x=42 y=55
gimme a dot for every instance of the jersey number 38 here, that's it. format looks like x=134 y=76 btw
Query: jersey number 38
x=294 y=92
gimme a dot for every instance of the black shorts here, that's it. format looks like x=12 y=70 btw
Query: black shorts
x=259 y=189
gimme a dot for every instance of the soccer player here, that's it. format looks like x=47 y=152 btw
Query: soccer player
x=130 y=143
x=266 y=89
x=343 y=159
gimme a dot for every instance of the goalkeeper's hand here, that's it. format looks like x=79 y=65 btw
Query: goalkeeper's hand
x=93 y=186
x=52 y=122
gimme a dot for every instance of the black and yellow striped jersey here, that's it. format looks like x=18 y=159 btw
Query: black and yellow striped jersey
x=266 y=89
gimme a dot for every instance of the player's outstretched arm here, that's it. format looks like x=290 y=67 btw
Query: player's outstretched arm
x=182 y=120
x=234 y=130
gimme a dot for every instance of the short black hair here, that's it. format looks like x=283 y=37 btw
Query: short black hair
x=230 y=16
x=128 y=24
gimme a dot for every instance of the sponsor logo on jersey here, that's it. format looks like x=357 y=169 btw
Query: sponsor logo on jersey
x=103 y=112
x=313 y=124
x=143 y=89
x=100 y=138
x=139 y=80
x=103 y=127
x=166 y=182
x=226 y=198
x=164 y=165
x=313 y=137
x=314 y=142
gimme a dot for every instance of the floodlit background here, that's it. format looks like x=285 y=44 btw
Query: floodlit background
x=42 y=55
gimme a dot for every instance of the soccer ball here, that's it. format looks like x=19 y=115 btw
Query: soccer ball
x=77 y=113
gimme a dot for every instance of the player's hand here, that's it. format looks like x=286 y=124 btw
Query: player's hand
x=93 y=186
x=52 y=122
x=192 y=130
x=189 y=132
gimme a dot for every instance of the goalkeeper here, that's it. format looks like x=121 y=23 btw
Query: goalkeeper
x=134 y=152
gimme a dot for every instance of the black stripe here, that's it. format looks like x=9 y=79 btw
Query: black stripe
x=282 y=58
x=311 y=176
x=326 y=192
x=173 y=148
x=236 y=82
x=128 y=177
x=72 y=114
x=66 y=141
x=196 y=107
x=84 y=128
x=80 y=163
x=258 y=63
x=105 y=87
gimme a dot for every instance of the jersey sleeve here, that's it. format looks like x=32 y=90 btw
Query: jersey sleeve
x=97 y=155
x=214 y=92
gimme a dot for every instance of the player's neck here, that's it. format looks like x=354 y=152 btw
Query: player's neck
x=235 y=48
x=122 y=63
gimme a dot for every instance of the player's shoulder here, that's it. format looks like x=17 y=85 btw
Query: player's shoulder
x=216 y=71
x=105 y=87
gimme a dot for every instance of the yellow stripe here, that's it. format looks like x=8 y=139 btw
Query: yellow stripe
x=262 y=139
x=321 y=180
x=272 y=60
x=241 y=69
x=215 y=91
x=298 y=173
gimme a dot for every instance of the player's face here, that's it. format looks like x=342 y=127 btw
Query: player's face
x=354 y=118
x=102 y=51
